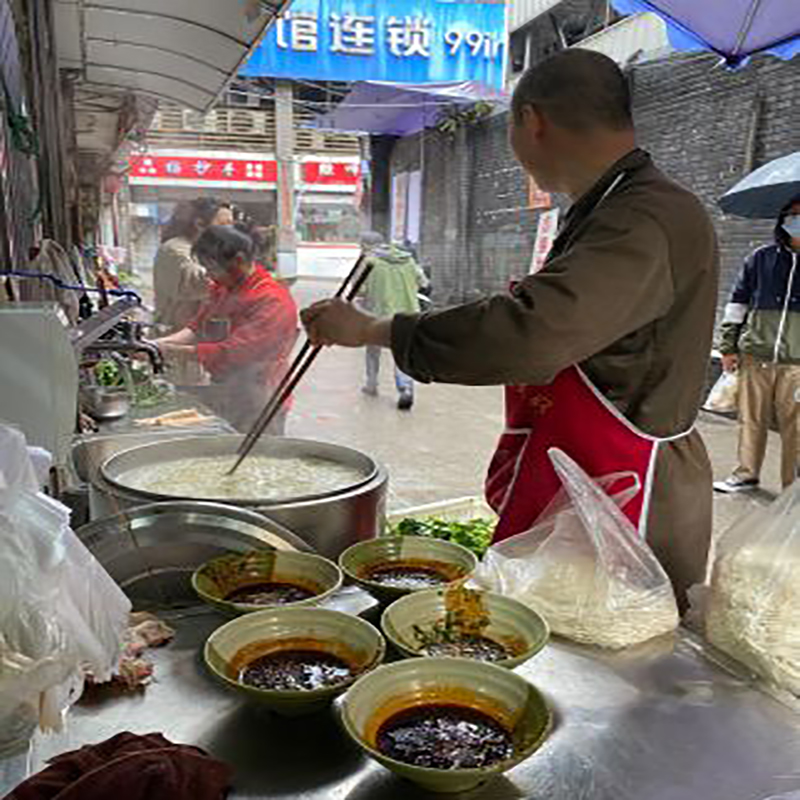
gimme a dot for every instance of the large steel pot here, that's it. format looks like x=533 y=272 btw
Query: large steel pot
x=329 y=522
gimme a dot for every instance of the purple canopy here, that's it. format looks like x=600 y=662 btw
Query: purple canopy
x=735 y=29
x=401 y=109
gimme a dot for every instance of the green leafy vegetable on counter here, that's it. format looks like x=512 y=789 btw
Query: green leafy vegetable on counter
x=475 y=534
x=146 y=392
x=150 y=395
x=136 y=378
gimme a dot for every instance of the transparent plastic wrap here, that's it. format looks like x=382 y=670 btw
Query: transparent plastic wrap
x=584 y=567
x=60 y=612
x=752 y=602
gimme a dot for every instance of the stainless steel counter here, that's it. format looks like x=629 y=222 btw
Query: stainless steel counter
x=660 y=722
x=90 y=450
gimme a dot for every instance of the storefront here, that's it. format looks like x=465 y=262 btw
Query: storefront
x=327 y=195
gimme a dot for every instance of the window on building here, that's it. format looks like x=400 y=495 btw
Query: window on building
x=336 y=222
x=518 y=47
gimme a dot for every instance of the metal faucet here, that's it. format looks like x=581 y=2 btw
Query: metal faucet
x=150 y=349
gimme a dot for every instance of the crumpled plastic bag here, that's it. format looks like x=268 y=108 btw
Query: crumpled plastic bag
x=16 y=468
x=60 y=611
x=724 y=395
x=583 y=566
x=754 y=595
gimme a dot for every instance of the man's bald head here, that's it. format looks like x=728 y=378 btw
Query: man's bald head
x=576 y=89
x=571 y=120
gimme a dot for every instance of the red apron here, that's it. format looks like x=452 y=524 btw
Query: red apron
x=572 y=415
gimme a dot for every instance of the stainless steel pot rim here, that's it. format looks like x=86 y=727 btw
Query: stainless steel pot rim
x=196 y=507
x=119 y=463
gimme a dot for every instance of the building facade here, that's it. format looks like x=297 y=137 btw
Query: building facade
x=706 y=127
x=234 y=152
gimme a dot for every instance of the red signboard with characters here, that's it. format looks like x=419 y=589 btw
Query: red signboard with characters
x=330 y=173
x=200 y=168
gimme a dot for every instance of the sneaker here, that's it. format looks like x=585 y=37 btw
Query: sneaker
x=406 y=401
x=733 y=485
x=370 y=391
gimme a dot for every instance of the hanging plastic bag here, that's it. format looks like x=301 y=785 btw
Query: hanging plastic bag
x=60 y=612
x=724 y=395
x=753 y=601
x=583 y=566
x=16 y=468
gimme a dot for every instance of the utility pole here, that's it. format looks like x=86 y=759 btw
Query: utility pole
x=284 y=153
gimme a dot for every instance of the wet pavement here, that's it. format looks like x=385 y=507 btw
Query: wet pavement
x=439 y=450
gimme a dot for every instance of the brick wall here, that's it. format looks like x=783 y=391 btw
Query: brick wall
x=706 y=127
x=448 y=196
x=477 y=232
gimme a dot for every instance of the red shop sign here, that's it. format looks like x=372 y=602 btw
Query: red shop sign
x=331 y=173
x=200 y=168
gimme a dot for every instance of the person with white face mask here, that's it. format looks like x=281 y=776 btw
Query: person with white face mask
x=760 y=337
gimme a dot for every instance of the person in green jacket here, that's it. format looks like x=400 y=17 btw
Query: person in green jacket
x=392 y=288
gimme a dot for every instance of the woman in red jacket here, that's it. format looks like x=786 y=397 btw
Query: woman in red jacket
x=244 y=334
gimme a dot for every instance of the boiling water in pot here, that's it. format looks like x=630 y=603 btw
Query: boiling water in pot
x=259 y=477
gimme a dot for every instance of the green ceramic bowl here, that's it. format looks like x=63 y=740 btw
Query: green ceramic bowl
x=512 y=624
x=499 y=692
x=242 y=640
x=217 y=578
x=452 y=561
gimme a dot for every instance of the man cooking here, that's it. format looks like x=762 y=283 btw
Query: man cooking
x=604 y=351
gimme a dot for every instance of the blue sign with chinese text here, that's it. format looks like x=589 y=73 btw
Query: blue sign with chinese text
x=404 y=41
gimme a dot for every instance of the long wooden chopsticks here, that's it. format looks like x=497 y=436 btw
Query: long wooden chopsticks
x=301 y=364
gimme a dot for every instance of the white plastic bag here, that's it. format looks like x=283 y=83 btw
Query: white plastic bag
x=60 y=612
x=752 y=604
x=724 y=395
x=584 y=568
x=16 y=468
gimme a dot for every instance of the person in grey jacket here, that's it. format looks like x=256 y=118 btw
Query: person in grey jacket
x=760 y=338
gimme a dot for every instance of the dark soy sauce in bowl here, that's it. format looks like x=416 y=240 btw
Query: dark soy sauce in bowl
x=440 y=736
x=295 y=670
